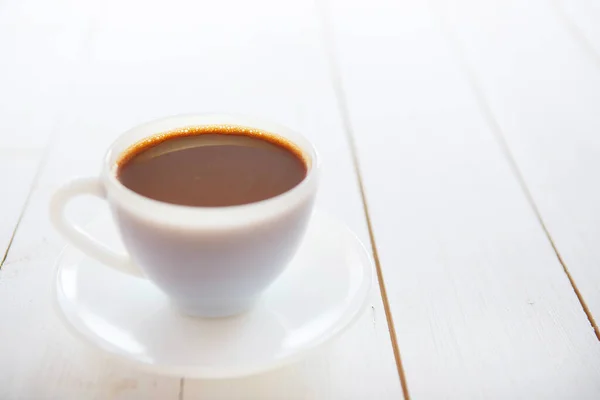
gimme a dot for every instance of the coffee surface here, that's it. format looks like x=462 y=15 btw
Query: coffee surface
x=212 y=166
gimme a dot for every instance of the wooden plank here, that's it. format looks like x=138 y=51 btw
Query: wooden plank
x=42 y=47
x=38 y=50
x=481 y=305
x=180 y=57
x=40 y=358
x=29 y=97
x=543 y=89
x=41 y=44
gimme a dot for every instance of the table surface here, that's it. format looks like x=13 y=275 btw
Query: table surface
x=460 y=138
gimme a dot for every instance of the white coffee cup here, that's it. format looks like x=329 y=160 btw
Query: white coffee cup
x=210 y=261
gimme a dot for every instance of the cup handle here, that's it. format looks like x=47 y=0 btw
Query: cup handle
x=79 y=237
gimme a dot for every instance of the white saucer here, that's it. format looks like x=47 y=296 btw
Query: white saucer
x=319 y=295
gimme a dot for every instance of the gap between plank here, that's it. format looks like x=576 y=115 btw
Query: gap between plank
x=494 y=126
x=181 y=388
x=34 y=181
x=336 y=81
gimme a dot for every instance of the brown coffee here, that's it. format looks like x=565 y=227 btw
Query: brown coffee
x=212 y=166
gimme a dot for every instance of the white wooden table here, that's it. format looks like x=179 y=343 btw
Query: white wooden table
x=460 y=138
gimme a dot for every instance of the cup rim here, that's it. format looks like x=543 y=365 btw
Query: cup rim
x=183 y=215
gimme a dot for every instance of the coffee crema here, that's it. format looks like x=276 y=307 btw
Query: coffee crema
x=212 y=166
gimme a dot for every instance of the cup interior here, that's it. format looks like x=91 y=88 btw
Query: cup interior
x=145 y=205
x=161 y=126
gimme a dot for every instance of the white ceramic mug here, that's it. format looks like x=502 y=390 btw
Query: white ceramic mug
x=210 y=261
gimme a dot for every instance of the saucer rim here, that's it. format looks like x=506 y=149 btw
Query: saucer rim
x=347 y=320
